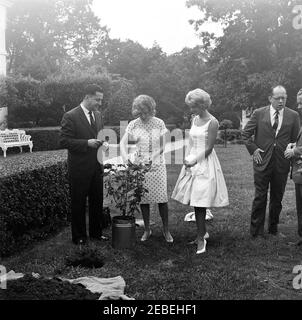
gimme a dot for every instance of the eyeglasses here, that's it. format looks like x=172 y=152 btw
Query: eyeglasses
x=279 y=98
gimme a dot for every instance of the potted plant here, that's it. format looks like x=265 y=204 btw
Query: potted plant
x=125 y=186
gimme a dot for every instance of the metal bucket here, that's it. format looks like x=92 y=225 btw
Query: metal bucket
x=123 y=232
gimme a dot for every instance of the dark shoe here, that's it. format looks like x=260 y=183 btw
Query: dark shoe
x=100 y=238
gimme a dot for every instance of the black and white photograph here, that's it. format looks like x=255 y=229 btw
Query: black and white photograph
x=150 y=151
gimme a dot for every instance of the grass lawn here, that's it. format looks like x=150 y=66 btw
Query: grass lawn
x=234 y=266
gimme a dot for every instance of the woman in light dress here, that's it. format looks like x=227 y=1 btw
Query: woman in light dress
x=149 y=133
x=201 y=183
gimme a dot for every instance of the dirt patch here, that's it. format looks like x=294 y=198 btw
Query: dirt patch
x=30 y=288
x=85 y=258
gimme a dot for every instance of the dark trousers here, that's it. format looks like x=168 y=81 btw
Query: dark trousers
x=262 y=181
x=81 y=188
x=299 y=207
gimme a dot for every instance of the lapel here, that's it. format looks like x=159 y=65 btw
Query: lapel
x=267 y=120
x=85 y=121
x=299 y=135
x=284 y=120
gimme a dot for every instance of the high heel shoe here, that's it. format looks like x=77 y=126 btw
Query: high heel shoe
x=168 y=238
x=146 y=236
x=206 y=236
x=204 y=247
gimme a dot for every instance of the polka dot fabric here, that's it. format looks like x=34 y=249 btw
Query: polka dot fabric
x=147 y=137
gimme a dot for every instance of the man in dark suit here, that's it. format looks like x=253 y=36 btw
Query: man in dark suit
x=294 y=152
x=80 y=127
x=273 y=128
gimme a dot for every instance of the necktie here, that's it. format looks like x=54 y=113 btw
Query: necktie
x=92 y=122
x=275 y=125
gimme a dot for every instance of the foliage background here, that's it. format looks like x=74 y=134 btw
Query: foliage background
x=51 y=43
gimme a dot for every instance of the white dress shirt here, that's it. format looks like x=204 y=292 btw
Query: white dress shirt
x=280 y=117
x=105 y=145
x=86 y=112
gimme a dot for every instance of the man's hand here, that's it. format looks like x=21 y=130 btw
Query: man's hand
x=94 y=143
x=289 y=153
x=256 y=156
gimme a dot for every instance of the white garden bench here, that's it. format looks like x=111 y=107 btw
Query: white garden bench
x=14 y=138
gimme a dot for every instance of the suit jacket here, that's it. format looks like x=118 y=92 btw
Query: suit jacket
x=261 y=128
x=74 y=136
x=297 y=160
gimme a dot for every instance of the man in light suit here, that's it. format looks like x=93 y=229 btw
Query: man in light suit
x=80 y=127
x=273 y=128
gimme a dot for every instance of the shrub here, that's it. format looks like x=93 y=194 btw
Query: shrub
x=232 y=116
x=219 y=141
x=119 y=108
x=34 y=198
x=44 y=138
x=66 y=91
x=34 y=103
x=232 y=134
x=27 y=102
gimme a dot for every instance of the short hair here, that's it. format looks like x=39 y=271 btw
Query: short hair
x=299 y=94
x=92 y=89
x=275 y=87
x=198 y=97
x=145 y=103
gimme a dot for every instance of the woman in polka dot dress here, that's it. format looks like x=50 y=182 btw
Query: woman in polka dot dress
x=148 y=132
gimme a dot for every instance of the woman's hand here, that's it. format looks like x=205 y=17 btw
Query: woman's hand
x=291 y=145
x=289 y=153
x=189 y=164
x=190 y=161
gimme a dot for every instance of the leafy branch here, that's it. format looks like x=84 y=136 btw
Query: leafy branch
x=125 y=185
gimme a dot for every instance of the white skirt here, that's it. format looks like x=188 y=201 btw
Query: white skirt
x=203 y=185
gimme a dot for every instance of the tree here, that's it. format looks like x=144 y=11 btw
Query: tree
x=259 y=47
x=44 y=34
x=26 y=101
x=129 y=59
x=120 y=103
x=225 y=125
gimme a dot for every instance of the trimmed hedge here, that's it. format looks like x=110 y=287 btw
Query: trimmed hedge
x=44 y=138
x=34 y=198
